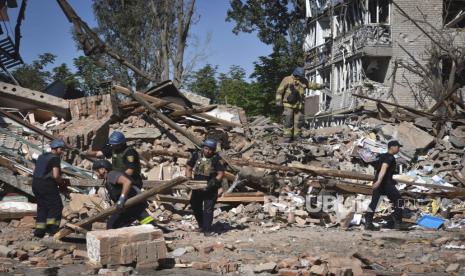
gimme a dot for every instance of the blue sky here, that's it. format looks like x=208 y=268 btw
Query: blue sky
x=46 y=29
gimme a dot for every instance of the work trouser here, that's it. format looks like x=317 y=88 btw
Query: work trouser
x=137 y=180
x=292 y=121
x=389 y=190
x=49 y=205
x=127 y=216
x=203 y=205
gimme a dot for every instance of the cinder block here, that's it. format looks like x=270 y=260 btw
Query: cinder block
x=126 y=245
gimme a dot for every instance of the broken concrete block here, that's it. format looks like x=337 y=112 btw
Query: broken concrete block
x=5 y=251
x=301 y=213
x=453 y=268
x=300 y=221
x=410 y=136
x=141 y=244
x=266 y=267
x=319 y=269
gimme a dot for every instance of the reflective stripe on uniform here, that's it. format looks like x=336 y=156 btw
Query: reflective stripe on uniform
x=40 y=225
x=146 y=220
x=51 y=221
x=292 y=106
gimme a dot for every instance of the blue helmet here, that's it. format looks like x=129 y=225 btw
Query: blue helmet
x=298 y=72
x=57 y=143
x=101 y=163
x=210 y=143
x=117 y=138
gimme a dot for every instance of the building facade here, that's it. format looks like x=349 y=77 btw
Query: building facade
x=353 y=45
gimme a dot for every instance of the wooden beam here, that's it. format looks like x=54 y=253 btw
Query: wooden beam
x=245 y=194
x=240 y=199
x=413 y=110
x=87 y=223
x=147 y=184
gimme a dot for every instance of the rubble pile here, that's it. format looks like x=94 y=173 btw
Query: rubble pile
x=271 y=185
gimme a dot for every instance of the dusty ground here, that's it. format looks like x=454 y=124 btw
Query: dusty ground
x=419 y=251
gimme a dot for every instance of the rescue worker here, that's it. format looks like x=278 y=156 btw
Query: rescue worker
x=123 y=158
x=207 y=165
x=45 y=186
x=120 y=188
x=291 y=96
x=385 y=185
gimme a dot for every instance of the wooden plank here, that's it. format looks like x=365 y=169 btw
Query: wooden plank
x=246 y=194
x=147 y=184
x=16 y=215
x=413 y=110
x=131 y=202
x=241 y=199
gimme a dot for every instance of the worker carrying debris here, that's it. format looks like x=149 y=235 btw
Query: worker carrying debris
x=207 y=165
x=46 y=182
x=123 y=157
x=384 y=184
x=120 y=188
x=291 y=96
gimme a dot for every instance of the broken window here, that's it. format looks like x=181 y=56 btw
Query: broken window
x=379 y=11
x=376 y=68
x=454 y=14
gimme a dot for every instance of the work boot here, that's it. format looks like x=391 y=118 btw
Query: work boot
x=52 y=229
x=208 y=233
x=39 y=233
x=369 y=226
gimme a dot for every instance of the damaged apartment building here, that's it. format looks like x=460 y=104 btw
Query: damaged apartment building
x=353 y=45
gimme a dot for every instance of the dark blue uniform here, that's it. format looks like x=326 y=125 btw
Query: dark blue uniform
x=129 y=215
x=203 y=201
x=46 y=192
x=124 y=159
x=387 y=188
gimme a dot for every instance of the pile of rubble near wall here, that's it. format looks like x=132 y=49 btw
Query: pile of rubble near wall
x=269 y=184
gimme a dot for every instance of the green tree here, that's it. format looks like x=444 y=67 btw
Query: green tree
x=268 y=72
x=89 y=75
x=64 y=74
x=232 y=86
x=35 y=76
x=280 y=24
x=203 y=82
x=152 y=35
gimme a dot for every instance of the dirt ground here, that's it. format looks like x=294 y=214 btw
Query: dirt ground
x=419 y=252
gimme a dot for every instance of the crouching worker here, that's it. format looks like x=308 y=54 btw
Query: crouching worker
x=120 y=188
x=46 y=182
x=205 y=165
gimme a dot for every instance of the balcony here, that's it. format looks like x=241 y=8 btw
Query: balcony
x=319 y=55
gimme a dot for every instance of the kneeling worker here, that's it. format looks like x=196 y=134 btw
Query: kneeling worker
x=45 y=186
x=121 y=188
x=205 y=165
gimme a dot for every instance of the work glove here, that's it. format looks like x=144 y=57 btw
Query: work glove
x=120 y=202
